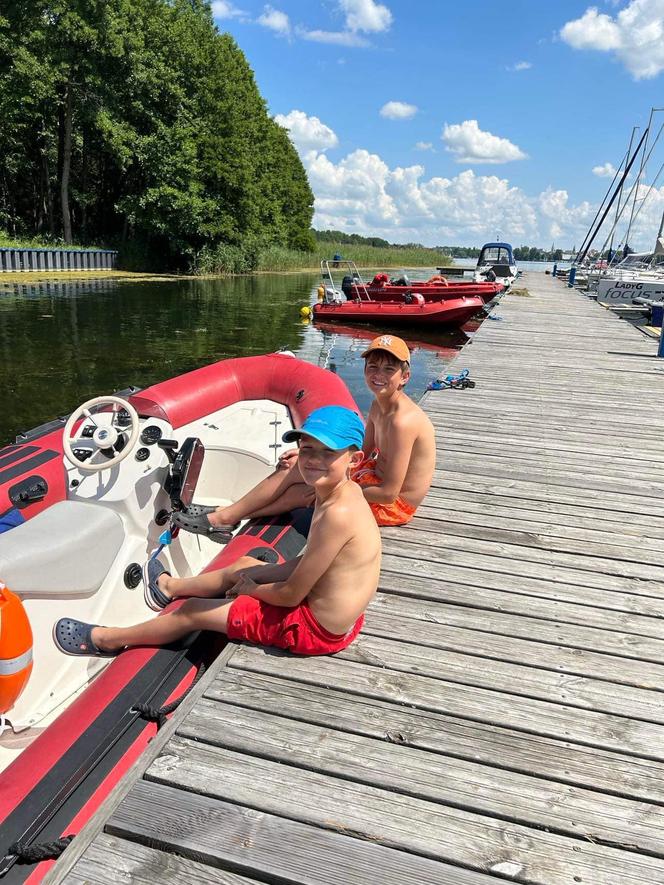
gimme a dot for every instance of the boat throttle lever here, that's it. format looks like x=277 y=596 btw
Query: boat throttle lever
x=170 y=447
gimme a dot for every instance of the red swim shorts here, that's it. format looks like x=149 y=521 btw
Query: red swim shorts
x=295 y=629
x=399 y=512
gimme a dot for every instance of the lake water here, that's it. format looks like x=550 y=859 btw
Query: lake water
x=62 y=343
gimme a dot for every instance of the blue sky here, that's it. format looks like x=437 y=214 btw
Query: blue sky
x=445 y=123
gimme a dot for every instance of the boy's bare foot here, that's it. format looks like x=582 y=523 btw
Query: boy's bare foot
x=100 y=640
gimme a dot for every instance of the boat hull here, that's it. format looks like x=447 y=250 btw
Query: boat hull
x=451 y=312
x=612 y=291
x=432 y=291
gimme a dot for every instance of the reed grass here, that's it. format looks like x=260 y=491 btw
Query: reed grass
x=279 y=259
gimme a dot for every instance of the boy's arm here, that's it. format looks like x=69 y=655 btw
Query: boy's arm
x=401 y=439
x=265 y=574
x=324 y=545
x=369 y=443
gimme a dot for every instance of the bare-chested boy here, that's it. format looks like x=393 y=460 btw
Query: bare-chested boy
x=395 y=474
x=399 y=441
x=311 y=605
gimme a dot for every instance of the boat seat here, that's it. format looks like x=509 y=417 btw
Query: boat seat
x=66 y=550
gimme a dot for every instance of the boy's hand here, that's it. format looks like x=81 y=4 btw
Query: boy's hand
x=244 y=586
x=287 y=459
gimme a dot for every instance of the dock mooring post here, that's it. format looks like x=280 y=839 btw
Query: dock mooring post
x=555 y=270
x=571 y=278
x=660 y=348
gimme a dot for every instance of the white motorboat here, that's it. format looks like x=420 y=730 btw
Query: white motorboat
x=496 y=263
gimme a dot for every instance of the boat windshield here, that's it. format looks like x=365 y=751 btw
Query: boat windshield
x=495 y=255
x=636 y=261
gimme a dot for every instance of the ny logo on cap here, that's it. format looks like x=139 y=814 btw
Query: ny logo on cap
x=385 y=339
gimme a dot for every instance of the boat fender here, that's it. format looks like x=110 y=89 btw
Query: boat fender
x=439 y=280
x=15 y=649
x=320 y=291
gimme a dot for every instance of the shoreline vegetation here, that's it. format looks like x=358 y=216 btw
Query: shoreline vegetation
x=273 y=259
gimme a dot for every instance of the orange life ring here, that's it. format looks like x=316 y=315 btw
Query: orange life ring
x=15 y=649
x=436 y=278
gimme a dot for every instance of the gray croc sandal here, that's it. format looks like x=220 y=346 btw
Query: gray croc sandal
x=74 y=638
x=155 y=598
x=198 y=509
x=201 y=525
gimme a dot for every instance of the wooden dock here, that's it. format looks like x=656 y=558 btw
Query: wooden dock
x=501 y=716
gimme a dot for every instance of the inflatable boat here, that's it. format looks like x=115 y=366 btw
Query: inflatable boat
x=84 y=502
x=437 y=288
x=414 y=311
x=358 y=302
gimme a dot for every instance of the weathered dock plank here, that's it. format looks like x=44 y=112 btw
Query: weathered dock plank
x=110 y=860
x=275 y=848
x=436 y=777
x=551 y=759
x=363 y=672
x=407 y=823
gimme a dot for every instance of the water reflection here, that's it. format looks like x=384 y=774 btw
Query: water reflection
x=62 y=342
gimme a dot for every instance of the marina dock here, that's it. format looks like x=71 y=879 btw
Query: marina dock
x=501 y=716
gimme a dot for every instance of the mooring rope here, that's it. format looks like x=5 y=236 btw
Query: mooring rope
x=160 y=714
x=27 y=853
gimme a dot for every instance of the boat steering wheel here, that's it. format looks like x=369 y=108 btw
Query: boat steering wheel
x=104 y=437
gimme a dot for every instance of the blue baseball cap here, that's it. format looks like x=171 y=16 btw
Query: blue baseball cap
x=335 y=426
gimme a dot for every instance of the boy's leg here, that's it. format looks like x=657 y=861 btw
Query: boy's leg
x=280 y=492
x=209 y=584
x=194 y=614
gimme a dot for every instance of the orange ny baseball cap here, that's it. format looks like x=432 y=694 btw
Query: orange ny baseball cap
x=391 y=344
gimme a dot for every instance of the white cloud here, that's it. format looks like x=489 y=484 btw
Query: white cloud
x=470 y=144
x=362 y=193
x=361 y=17
x=520 y=66
x=307 y=133
x=635 y=35
x=366 y=15
x=608 y=170
x=337 y=38
x=398 y=110
x=275 y=20
x=223 y=9
x=423 y=146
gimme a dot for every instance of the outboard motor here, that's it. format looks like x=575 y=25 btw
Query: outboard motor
x=347 y=286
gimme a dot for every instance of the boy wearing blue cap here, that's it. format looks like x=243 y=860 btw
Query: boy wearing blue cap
x=400 y=457
x=311 y=605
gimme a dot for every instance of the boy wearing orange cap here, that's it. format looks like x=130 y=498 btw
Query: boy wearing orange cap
x=395 y=474
x=399 y=439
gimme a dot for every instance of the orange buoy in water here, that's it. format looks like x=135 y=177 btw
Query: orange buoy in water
x=15 y=649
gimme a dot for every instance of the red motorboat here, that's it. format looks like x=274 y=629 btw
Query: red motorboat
x=82 y=505
x=415 y=312
x=437 y=288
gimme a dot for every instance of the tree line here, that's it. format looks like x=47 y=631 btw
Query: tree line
x=136 y=123
x=521 y=253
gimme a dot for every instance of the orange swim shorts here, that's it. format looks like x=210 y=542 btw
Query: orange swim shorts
x=294 y=629
x=399 y=512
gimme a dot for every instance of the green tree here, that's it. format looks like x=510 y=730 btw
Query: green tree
x=139 y=121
